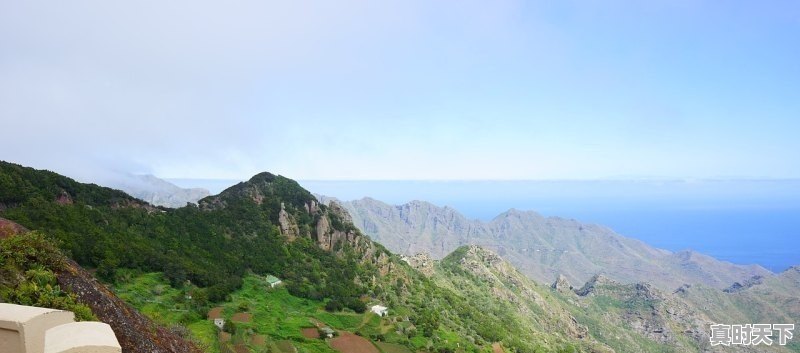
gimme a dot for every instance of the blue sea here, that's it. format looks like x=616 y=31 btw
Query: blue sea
x=741 y=221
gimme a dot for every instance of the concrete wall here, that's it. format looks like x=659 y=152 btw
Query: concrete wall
x=27 y=329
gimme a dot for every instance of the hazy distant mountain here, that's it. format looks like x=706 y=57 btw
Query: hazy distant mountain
x=157 y=191
x=542 y=247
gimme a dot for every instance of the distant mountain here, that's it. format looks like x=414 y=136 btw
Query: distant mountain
x=542 y=247
x=157 y=191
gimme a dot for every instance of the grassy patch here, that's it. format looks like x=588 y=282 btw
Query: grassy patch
x=392 y=348
x=276 y=314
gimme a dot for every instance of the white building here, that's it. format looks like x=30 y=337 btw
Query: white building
x=380 y=310
x=219 y=322
x=273 y=281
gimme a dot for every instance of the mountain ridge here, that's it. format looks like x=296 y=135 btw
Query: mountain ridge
x=542 y=247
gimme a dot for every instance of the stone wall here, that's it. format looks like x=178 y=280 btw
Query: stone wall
x=27 y=329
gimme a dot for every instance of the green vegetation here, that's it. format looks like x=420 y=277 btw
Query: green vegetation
x=27 y=262
x=212 y=247
x=276 y=313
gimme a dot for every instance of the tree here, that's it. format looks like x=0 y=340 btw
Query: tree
x=229 y=327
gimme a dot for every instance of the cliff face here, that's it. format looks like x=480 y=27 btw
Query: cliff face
x=135 y=332
x=542 y=247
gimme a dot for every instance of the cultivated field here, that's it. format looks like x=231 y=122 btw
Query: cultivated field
x=350 y=343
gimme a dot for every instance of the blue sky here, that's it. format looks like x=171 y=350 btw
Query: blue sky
x=403 y=90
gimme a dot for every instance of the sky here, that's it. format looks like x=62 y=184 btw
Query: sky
x=402 y=90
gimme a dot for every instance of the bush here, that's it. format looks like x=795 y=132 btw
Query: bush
x=27 y=262
x=334 y=305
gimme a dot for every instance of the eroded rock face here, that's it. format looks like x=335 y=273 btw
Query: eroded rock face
x=334 y=229
x=64 y=198
x=287 y=225
x=10 y=228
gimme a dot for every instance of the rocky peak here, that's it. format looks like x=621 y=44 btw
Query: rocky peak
x=263 y=177
x=562 y=285
x=261 y=188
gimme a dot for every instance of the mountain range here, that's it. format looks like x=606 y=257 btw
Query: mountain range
x=155 y=273
x=542 y=247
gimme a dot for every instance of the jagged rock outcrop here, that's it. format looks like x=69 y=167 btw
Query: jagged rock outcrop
x=596 y=285
x=562 y=285
x=736 y=287
x=287 y=224
x=334 y=229
x=682 y=289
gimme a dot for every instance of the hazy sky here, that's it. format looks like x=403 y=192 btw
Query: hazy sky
x=402 y=90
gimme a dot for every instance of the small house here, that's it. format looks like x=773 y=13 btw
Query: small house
x=273 y=281
x=216 y=316
x=327 y=332
x=380 y=310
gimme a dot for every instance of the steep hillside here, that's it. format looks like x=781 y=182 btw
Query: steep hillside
x=542 y=247
x=603 y=314
x=33 y=272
